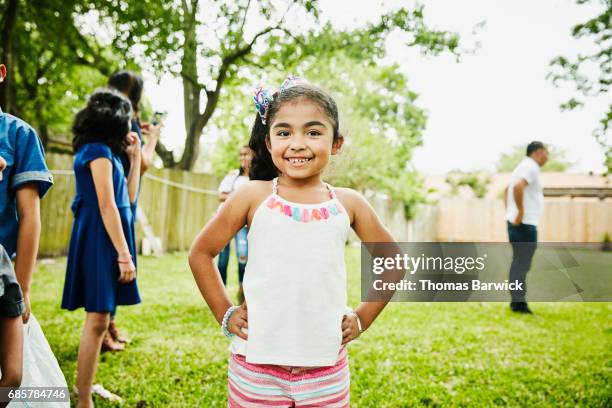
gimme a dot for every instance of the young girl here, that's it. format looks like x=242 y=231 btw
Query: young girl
x=289 y=349
x=102 y=255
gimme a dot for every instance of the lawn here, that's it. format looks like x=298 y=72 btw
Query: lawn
x=416 y=354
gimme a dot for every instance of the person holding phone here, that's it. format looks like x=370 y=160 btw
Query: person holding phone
x=130 y=84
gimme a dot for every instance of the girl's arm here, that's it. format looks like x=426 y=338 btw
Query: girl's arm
x=135 y=157
x=232 y=216
x=368 y=228
x=102 y=173
x=148 y=150
x=28 y=209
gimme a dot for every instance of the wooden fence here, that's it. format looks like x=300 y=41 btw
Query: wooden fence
x=563 y=220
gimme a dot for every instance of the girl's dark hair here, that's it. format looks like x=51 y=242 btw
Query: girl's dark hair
x=130 y=84
x=262 y=167
x=105 y=119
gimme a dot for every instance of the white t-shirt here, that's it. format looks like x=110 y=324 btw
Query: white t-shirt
x=232 y=182
x=533 y=196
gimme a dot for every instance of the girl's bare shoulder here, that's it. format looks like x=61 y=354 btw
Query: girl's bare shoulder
x=352 y=200
x=349 y=195
x=254 y=193
x=257 y=187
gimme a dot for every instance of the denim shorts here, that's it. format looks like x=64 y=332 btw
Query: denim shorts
x=11 y=298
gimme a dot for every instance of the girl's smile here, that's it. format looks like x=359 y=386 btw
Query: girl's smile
x=298 y=161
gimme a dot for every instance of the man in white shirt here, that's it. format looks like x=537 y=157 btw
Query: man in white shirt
x=524 y=200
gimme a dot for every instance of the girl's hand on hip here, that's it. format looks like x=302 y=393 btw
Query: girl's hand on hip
x=239 y=321
x=127 y=272
x=350 y=328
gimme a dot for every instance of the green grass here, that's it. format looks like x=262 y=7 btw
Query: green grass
x=416 y=354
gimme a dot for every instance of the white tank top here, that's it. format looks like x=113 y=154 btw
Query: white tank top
x=295 y=282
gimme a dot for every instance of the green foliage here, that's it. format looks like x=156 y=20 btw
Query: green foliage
x=55 y=65
x=214 y=50
x=67 y=48
x=477 y=181
x=591 y=74
x=557 y=159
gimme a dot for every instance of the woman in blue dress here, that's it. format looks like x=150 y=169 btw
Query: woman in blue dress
x=101 y=267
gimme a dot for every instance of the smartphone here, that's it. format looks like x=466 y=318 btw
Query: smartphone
x=157 y=117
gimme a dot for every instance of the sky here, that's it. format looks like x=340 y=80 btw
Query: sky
x=483 y=105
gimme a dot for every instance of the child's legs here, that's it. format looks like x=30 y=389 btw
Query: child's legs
x=94 y=329
x=11 y=352
x=222 y=263
x=242 y=251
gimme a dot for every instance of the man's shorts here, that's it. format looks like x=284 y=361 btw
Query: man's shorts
x=11 y=298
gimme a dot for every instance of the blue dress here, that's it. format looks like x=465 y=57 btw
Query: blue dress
x=92 y=270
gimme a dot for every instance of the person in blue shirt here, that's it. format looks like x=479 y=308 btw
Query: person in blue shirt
x=101 y=266
x=25 y=180
x=11 y=326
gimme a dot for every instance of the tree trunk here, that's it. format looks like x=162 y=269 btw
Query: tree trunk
x=43 y=130
x=191 y=88
x=7 y=94
x=166 y=155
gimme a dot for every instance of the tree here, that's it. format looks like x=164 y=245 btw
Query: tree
x=478 y=182
x=51 y=64
x=557 y=159
x=221 y=43
x=592 y=73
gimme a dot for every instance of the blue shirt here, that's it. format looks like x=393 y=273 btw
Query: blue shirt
x=24 y=154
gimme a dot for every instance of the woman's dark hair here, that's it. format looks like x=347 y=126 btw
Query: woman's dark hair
x=130 y=84
x=262 y=166
x=105 y=119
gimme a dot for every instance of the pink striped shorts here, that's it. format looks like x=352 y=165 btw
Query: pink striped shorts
x=267 y=385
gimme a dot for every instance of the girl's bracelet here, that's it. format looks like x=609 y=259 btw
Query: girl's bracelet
x=228 y=314
x=126 y=261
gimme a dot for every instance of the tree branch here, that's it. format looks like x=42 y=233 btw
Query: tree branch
x=165 y=154
x=246 y=11
x=237 y=54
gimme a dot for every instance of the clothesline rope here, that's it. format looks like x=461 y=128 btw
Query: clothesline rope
x=159 y=180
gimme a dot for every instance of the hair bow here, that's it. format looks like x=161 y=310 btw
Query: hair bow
x=263 y=97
